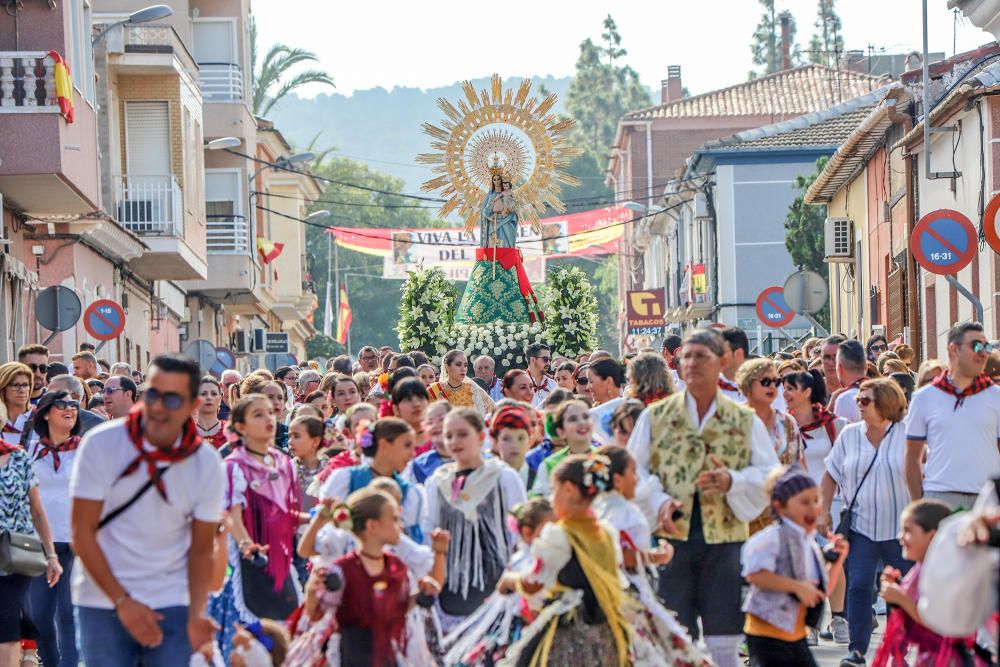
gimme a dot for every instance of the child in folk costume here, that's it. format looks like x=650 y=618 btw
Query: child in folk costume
x=577 y=560
x=483 y=637
x=436 y=454
x=574 y=428
x=788 y=573
x=355 y=612
x=510 y=432
x=263 y=502
x=904 y=627
x=387 y=447
x=658 y=638
x=305 y=438
x=470 y=498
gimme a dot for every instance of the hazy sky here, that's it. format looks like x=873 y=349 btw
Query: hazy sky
x=388 y=43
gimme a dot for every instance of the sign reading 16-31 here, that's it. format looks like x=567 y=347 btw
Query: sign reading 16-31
x=944 y=242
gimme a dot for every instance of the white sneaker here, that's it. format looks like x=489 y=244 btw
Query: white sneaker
x=812 y=639
x=838 y=628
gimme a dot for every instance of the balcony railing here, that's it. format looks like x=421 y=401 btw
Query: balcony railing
x=148 y=205
x=228 y=235
x=27 y=82
x=221 y=82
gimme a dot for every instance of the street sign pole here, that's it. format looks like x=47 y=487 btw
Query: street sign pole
x=54 y=333
x=819 y=327
x=791 y=338
x=977 y=305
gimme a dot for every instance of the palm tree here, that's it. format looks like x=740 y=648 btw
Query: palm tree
x=277 y=62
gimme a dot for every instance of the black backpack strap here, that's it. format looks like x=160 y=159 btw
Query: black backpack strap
x=115 y=513
x=29 y=426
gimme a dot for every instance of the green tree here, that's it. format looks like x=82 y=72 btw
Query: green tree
x=374 y=300
x=827 y=42
x=804 y=226
x=766 y=41
x=272 y=76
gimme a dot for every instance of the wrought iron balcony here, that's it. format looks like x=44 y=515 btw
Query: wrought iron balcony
x=148 y=205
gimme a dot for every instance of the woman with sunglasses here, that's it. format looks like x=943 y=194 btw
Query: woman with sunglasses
x=867 y=462
x=758 y=381
x=875 y=346
x=583 y=387
x=15 y=391
x=54 y=439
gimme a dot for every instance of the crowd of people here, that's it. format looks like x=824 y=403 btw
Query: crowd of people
x=692 y=505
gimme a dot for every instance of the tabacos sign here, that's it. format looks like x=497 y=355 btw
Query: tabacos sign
x=644 y=311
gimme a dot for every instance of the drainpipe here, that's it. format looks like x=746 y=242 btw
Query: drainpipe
x=648 y=126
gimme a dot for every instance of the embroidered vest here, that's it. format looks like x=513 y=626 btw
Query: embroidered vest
x=782 y=609
x=678 y=454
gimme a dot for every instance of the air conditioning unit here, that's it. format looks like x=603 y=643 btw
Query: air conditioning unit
x=700 y=205
x=839 y=240
x=258 y=340
x=241 y=342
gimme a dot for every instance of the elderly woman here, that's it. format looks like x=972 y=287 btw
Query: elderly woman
x=15 y=390
x=456 y=388
x=758 y=381
x=649 y=378
x=867 y=463
x=54 y=440
x=21 y=511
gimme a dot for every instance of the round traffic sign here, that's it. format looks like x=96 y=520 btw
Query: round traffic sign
x=57 y=308
x=944 y=242
x=990 y=223
x=224 y=361
x=772 y=309
x=806 y=292
x=104 y=319
x=203 y=352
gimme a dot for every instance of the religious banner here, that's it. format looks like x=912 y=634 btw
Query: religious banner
x=644 y=312
x=458 y=269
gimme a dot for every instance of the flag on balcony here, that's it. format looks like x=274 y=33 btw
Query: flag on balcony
x=268 y=249
x=344 y=317
x=64 y=86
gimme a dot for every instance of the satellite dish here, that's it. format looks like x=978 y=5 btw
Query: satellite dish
x=806 y=292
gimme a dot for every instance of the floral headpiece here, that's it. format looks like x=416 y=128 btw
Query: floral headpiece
x=383 y=381
x=341 y=516
x=596 y=475
x=365 y=437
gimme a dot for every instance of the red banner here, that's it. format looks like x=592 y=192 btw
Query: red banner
x=587 y=233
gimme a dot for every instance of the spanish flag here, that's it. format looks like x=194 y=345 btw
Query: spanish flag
x=344 y=317
x=268 y=249
x=64 y=86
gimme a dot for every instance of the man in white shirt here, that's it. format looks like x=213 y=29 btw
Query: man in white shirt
x=119 y=396
x=539 y=357
x=141 y=593
x=957 y=418
x=701 y=486
x=606 y=379
x=737 y=349
x=829 y=351
x=485 y=369
x=852 y=369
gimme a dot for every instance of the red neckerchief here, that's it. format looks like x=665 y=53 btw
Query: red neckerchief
x=944 y=383
x=824 y=418
x=6 y=448
x=190 y=441
x=726 y=385
x=654 y=396
x=45 y=447
x=544 y=386
x=10 y=428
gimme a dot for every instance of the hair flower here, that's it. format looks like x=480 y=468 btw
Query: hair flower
x=342 y=516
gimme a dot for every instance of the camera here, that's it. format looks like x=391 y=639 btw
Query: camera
x=830 y=555
x=332 y=582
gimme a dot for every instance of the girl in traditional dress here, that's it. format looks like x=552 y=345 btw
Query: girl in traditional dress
x=658 y=638
x=436 y=453
x=262 y=497
x=386 y=447
x=211 y=429
x=574 y=429
x=356 y=608
x=576 y=560
x=409 y=400
x=470 y=498
x=456 y=388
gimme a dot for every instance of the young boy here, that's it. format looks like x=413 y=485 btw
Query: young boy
x=787 y=572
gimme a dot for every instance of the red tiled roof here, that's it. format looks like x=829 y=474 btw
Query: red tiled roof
x=792 y=92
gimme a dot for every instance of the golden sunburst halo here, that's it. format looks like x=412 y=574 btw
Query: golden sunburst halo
x=498 y=127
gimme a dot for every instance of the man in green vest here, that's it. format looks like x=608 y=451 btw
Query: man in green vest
x=702 y=460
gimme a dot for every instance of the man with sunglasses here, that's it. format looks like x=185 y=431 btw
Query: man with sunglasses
x=119 y=396
x=35 y=357
x=140 y=597
x=957 y=418
x=539 y=356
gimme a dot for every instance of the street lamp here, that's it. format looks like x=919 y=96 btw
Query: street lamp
x=144 y=15
x=318 y=215
x=222 y=143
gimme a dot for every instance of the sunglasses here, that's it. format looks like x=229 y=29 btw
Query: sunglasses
x=109 y=391
x=583 y=379
x=171 y=399
x=770 y=382
x=545 y=359
x=65 y=404
x=879 y=348
x=38 y=368
x=864 y=401
x=978 y=347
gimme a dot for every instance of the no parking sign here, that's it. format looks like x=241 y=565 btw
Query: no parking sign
x=104 y=319
x=772 y=309
x=944 y=242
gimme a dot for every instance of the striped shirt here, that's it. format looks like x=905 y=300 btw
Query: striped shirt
x=882 y=497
